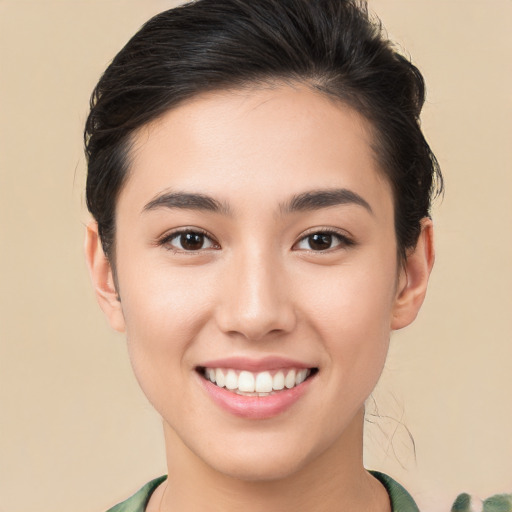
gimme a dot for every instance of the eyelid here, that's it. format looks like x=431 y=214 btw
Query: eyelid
x=345 y=240
x=165 y=239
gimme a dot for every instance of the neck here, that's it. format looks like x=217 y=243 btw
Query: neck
x=332 y=481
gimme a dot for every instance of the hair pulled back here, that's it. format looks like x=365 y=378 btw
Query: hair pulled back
x=332 y=45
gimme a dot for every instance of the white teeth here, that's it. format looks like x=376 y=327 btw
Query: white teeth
x=256 y=384
x=263 y=382
x=219 y=378
x=289 y=380
x=278 y=381
x=246 y=381
x=300 y=377
x=231 y=380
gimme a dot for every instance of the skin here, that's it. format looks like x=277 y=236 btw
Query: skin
x=258 y=287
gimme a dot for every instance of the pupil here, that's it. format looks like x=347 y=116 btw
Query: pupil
x=320 y=241
x=192 y=241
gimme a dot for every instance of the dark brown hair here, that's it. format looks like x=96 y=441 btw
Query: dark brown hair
x=331 y=45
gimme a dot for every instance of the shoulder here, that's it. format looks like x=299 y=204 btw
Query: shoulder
x=400 y=499
x=138 y=502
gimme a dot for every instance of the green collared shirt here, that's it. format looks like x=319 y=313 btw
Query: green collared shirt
x=400 y=499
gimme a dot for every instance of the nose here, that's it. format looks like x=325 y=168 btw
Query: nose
x=256 y=301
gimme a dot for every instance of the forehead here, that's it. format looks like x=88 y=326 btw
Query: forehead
x=258 y=142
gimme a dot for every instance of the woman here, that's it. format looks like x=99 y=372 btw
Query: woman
x=261 y=193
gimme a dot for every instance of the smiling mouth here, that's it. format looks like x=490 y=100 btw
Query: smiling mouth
x=266 y=383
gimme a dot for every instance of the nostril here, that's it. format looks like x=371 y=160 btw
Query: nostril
x=256 y=305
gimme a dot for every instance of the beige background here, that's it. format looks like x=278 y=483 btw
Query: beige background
x=76 y=434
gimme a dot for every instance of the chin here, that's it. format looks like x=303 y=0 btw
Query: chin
x=259 y=469
x=258 y=460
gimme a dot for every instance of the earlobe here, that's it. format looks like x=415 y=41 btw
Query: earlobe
x=412 y=285
x=102 y=278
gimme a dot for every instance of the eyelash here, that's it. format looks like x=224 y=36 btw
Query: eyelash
x=343 y=240
x=168 y=238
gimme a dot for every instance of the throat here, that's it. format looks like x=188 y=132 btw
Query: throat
x=283 y=495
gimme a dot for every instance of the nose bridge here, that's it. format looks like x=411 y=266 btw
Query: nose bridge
x=256 y=299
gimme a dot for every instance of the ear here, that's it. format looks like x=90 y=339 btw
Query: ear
x=102 y=278
x=413 y=278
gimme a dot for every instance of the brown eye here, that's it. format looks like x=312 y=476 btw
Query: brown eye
x=323 y=241
x=320 y=241
x=190 y=241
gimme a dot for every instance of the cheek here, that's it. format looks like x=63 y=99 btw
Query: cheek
x=353 y=298
x=164 y=311
x=353 y=314
x=160 y=299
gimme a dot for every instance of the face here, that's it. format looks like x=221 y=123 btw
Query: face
x=258 y=280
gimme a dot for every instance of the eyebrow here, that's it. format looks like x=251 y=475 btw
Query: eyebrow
x=317 y=199
x=306 y=201
x=187 y=201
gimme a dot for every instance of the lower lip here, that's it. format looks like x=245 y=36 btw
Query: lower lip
x=255 y=407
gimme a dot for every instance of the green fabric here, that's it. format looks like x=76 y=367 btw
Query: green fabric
x=401 y=500
x=139 y=501
x=462 y=503
x=496 y=503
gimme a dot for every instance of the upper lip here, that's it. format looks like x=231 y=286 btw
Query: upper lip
x=255 y=365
